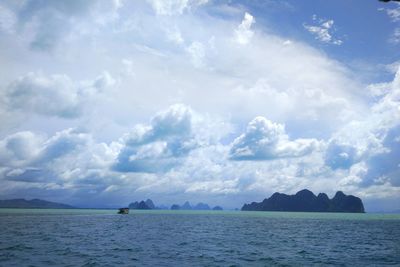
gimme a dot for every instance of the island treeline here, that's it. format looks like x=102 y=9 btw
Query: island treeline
x=306 y=201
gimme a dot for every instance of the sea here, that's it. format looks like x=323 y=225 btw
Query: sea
x=86 y=237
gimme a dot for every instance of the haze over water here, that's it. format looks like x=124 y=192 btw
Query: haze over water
x=196 y=238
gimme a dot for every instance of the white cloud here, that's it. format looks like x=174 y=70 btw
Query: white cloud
x=160 y=146
x=63 y=143
x=103 y=81
x=395 y=38
x=197 y=54
x=322 y=29
x=209 y=72
x=55 y=95
x=243 y=31
x=174 y=154
x=287 y=42
x=8 y=20
x=265 y=140
x=44 y=25
x=174 y=7
x=386 y=111
x=341 y=156
x=19 y=149
x=371 y=142
x=67 y=158
x=393 y=13
x=336 y=129
x=174 y=35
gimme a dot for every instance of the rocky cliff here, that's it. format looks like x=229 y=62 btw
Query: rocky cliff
x=305 y=200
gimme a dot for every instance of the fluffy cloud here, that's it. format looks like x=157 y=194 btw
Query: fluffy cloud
x=69 y=160
x=395 y=38
x=19 y=149
x=161 y=145
x=215 y=60
x=27 y=156
x=55 y=95
x=197 y=53
x=174 y=7
x=206 y=69
x=7 y=20
x=72 y=161
x=45 y=23
x=173 y=154
x=244 y=32
x=373 y=141
x=341 y=156
x=394 y=15
x=265 y=140
x=63 y=143
x=323 y=30
x=385 y=166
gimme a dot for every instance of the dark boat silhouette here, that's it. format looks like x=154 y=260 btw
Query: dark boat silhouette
x=123 y=211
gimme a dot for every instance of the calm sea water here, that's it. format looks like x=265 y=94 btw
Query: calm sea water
x=177 y=238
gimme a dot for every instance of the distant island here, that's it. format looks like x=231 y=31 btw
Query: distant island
x=142 y=205
x=198 y=206
x=306 y=201
x=149 y=205
x=32 y=204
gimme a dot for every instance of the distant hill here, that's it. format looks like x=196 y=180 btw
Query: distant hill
x=142 y=205
x=187 y=206
x=305 y=200
x=32 y=204
x=175 y=207
x=201 y=206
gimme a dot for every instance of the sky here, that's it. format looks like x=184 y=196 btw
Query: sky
x=103 y=103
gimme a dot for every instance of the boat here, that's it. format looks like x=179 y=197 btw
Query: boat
x=123 y=211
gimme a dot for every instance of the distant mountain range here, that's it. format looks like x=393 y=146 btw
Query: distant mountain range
x=142 y=205
x=305 y=200
x=32 y=204
x=149 y=205
x=198 y=206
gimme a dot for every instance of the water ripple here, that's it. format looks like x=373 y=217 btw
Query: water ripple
x=179 y=239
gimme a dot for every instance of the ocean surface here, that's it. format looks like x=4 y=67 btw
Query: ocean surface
x=30 y=237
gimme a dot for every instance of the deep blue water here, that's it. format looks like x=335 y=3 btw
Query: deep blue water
x=168 y=238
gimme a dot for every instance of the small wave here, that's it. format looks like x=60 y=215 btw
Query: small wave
x=18 y=247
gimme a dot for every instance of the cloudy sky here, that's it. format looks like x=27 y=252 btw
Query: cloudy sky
x=107 y=102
